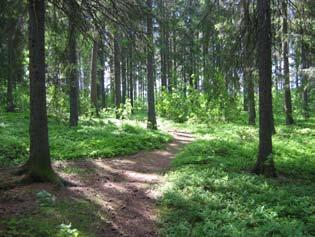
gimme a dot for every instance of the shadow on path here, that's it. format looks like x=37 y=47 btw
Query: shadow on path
x=122 y=187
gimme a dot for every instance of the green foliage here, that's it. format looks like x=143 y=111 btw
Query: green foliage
x=45 y=198
x=66 y=218
x=210 y=191
x=93 y=138
x=173 y=106
x=198 y=106
x=67 y=231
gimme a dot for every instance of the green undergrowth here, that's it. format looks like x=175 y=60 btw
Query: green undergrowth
x=102 y=137
x=210 y=191
x=55 y=217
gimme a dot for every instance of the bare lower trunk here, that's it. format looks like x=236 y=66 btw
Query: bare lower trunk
x=150 y=54
x=117 y=74
x=101 y=79
x=131 y=74
x=287 y=90
x=39 y=163
x=123 y=74
x=304 y=84
x=10 y=75
x=251 y=98
x=265 y=163
x=73 y=74
x=94 y=74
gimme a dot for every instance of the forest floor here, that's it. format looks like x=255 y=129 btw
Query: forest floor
x=111 y=197
x=194 y=185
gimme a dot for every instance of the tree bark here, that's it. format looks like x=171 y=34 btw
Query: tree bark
x=249 y=92
x=287 y=91
x=265 y=163
x=39 y=163
x=174 y=72
x=304 y=82
x=73 y=73
x=130 y=49
x=94 y=74
x=150 y=54
x=163 y=47
x=117 y=74
x=123 y=73
x=101 y=79
x=10 y=101
x=251 y=97
x=112 y=78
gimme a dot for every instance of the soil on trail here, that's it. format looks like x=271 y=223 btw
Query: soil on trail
x=123 y=187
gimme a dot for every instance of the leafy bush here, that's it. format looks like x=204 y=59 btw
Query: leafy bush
x=197 y=106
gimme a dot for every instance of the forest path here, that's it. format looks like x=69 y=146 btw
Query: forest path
x=124 y=187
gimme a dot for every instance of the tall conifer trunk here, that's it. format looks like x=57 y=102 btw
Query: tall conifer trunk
x=287 y=91
x=10 y=75
x=117 y=74
x=150 y=54
x=101 y=79
x=94 y=74
x=73 y=74
x=131 y=80
x=265 y=163
x=39 y=163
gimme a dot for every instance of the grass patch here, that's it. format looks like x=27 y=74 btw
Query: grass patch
x=211 y=193
x=60 y=218
x=92 y=138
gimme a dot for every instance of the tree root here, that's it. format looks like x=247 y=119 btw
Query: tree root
x=42 y=177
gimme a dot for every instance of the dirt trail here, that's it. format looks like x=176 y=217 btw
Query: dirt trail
x=127 y=187
x=122 y=187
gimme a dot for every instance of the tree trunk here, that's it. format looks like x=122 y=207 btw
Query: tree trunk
x=131 y=72
x=150 y=54
x=163 y=47
x=117 y=74
x=73 y=74
x=39 y=163
x=167 y=54
x=287 y=91
x=265 y=163
x=101 y=78
x=112 y=78
x=94 y=74
x=123 y=73
x=174 y=72
x=245 y=93
x=205 y=64
x=10 y=75
x=250 y=97
x=304 y=82
x=248 y=63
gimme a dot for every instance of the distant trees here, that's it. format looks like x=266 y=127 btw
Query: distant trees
x=192 y=60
